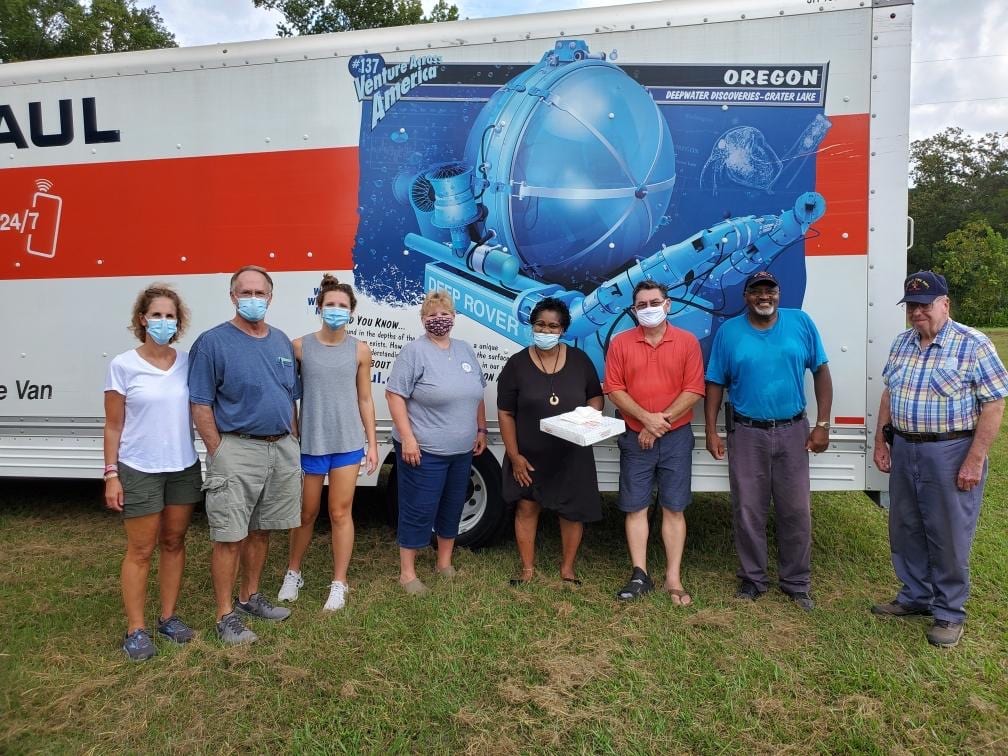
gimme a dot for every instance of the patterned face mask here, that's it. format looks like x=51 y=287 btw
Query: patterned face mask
x=439 y=325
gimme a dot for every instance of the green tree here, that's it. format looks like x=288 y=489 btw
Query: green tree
x=974 y=261
x=34 y=29
x=955 y=178
x=320 y=16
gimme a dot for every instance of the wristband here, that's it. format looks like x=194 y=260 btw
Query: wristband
x=481 y=430
x=110 y=474
x=112 y=468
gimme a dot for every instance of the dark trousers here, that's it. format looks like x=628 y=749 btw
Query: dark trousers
x=931 y=525
x=432 y=496
x=765 y=464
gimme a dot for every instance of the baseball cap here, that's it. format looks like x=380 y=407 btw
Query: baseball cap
x=764 y=277
x=924 y=287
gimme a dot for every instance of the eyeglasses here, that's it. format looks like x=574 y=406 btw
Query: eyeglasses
x=911 y=306
x=644 y=305
x=544 y=327
x=245 y=293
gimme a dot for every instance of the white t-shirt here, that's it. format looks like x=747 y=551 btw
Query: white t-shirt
x=157 y=434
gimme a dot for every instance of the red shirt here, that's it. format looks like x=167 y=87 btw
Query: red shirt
x=655 y=375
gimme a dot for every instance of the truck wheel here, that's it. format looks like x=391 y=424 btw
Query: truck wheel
x=484 y=515
x=485 y=512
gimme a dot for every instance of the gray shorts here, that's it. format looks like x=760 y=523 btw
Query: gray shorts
x=669 y=463
x=253 y=485
x=147 y=493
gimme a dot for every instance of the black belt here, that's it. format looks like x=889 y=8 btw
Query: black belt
x=254 y=437
x=924 y=438
x=754 y=423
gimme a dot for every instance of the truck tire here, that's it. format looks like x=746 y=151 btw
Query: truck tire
x=485 y=513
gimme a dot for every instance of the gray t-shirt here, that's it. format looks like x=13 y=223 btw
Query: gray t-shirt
x=442 y=388
x=250 y=382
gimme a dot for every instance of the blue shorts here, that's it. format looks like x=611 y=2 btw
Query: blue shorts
x=321 y=464
x=669 y=462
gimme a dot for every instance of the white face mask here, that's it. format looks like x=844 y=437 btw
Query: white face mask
x=650 y=317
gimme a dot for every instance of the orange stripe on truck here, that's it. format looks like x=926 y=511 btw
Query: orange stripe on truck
x=842 y=178
x=291 y=210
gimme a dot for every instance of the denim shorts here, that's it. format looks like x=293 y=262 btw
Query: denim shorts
x=147 y=493
x=431 y=496
x=321 y=464
x=669 y=463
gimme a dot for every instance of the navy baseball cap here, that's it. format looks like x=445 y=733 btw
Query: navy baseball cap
x=924 y=287
x=764 y=277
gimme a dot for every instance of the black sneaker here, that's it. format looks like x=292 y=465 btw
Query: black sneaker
x=801 y=598
x=637 y=586
x=748 y=591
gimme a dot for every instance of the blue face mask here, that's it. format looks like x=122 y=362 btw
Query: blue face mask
x=161 y=330
x=253 y=309
x=335 y=317
x=546 y=341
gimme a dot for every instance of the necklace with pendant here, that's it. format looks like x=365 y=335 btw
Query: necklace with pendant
x=554 y=400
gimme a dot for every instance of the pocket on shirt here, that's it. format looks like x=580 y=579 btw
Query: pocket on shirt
x=947 y=383
x=895 y=379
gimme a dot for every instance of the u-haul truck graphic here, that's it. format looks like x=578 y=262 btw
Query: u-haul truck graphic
x=503 y=160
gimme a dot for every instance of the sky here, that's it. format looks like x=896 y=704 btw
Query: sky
x=959 y=57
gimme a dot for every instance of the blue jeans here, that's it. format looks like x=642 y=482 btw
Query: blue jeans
x=431 y=496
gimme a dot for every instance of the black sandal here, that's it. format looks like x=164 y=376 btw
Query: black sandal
x=515 y=582
x=637 y=586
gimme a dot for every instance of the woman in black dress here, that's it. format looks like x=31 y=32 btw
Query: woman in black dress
x=540 y=470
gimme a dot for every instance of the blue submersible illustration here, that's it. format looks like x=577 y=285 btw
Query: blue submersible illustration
x=568 y=172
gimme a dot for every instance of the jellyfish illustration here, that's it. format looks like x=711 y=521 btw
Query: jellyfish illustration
x=743 y=156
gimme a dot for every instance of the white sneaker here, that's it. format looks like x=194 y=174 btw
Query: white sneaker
x=337 y=597
x=289 y=590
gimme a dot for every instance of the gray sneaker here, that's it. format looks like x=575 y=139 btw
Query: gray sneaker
x=232 y=631
x=138 y=645
x=945 y=634
x=259 y=606
x=175 y=630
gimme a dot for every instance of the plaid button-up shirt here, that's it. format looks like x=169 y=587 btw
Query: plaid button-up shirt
x=940 y=389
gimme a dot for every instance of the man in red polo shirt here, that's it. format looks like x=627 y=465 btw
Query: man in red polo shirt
x=654 y=375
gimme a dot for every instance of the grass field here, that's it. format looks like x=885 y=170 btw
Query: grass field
x=479 y=667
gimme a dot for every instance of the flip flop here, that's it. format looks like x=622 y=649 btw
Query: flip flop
x=573 y=581
x=520 y=580
x=680 y=594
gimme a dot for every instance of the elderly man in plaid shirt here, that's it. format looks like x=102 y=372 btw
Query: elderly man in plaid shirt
x=940 y=411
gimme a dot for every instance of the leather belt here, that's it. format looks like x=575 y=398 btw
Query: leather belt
x=924 y=438
x=254 y=437
x=765 y=424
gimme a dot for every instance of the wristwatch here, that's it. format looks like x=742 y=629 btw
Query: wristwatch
x=823 y=424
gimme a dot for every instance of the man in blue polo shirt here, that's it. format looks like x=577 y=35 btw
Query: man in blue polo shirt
x=243 y=387
x=944 y=396
x=761 y=357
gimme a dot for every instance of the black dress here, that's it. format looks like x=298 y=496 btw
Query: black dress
x=564 y=478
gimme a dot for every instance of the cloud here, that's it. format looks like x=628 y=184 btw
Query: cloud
x=196 y=22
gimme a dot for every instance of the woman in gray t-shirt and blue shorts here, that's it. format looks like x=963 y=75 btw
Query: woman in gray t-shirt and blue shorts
x=337 y=417
x=435 y=397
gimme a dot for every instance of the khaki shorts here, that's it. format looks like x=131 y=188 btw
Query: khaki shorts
x=252 y=485
x=147 y=493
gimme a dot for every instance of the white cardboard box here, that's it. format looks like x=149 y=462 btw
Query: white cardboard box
x=584 y=426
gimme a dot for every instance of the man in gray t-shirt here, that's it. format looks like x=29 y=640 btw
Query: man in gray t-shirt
x=243 y=389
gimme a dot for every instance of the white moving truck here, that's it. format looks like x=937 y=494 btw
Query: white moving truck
x=563 y=154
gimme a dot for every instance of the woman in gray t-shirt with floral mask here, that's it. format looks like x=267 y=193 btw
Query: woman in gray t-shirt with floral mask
x=435 y=396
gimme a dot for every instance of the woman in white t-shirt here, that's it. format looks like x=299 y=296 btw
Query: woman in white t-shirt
x=152 y=472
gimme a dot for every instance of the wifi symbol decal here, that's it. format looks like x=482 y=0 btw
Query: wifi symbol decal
x=43 y=185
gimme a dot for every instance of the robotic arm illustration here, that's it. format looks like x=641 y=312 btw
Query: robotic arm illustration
x=568 y=174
